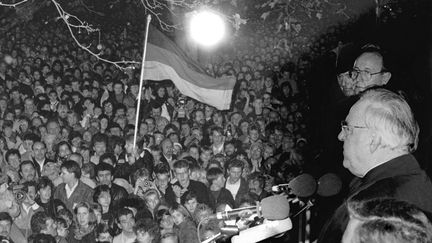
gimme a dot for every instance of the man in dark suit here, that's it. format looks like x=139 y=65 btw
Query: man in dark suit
x=379 y=135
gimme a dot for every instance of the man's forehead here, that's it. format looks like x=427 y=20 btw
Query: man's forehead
x=356 y=112
x=369 y=61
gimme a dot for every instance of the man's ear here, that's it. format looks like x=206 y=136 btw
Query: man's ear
x=386 y=77
x=375 y=142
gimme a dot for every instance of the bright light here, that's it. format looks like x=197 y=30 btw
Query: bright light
x=207 y=28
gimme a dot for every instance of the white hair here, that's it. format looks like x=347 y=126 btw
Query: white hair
x=390 y=115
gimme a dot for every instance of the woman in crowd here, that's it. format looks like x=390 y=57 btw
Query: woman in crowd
x=85 y=223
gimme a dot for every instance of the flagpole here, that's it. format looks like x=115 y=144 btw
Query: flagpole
x=141 y=81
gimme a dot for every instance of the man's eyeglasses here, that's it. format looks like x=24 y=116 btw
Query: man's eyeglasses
x=366 y=75
x=348 y=129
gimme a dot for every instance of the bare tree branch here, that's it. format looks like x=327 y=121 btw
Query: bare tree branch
x=13 y=5
x=67 y=17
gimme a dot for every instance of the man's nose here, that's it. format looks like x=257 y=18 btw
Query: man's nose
x=341 y=136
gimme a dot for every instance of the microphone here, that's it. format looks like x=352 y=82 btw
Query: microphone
x=273 y=208
x=329 y=185
x=303 y=185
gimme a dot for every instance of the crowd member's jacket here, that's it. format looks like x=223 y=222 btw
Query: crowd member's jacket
x=117 y=192
x=400 y=178
x=242 y=191
x=197 y=187
x=187 y=232
x=125 y=170
x=38 y=167
x=23 y=220
x=82 y=193
x=51 y=207
x=224 y=197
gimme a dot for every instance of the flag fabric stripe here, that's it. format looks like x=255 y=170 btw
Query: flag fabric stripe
x=181 y=68
x=165 y=60
x=219 y=98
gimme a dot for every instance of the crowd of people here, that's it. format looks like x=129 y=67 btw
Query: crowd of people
x=71 y=170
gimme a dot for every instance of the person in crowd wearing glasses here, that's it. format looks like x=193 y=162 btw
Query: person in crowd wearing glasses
x=379 y=134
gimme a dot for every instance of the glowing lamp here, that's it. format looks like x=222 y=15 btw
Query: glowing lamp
x=207 y=28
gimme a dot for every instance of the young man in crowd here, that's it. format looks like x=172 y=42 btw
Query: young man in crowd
x=72 y=190
x=235 y=183
x=184 y=183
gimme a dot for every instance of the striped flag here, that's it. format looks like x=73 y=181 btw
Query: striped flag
x=165 y=60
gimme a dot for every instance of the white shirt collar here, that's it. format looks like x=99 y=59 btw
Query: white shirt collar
x=69 y=191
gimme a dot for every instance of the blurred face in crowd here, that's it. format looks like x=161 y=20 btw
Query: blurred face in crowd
x=62 y=111
x=185 y=130
x=205 y=155
x=83 y=217
x=99 y=148
x=151 y=124
x=28 y=172
x=67 y=176
x=108 y=108
x=45 y=194
x=104 y=177
x=64 y=151
x=152 y=200
x=161 y=124
x=156 y=112
x=288 y=143
x=30 y=196
x=278 y=135
x=208 y=112
x=167 y=148
x=234 y=174
x=14 y=161
x=217 y=137
x=182 y=175
x=268 y=152
x=199 y=117
x=167 y=222
x=191 y=205
x=178 y=217
x=244 y=127
x=219 y=182
x=126 y=223
x=235 y=119
x=5 y=228
x=53 y=128
x=229 y=149
x=118 y=89
x=194 y=152
x=253 y=135
x=255 y=187
x=104 y=199
x=255 y=152
x=162 y=180
x=217 y=119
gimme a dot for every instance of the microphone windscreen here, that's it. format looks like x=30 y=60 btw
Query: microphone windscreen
x=303 y=185
x=329 y=185
x=275 y=207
